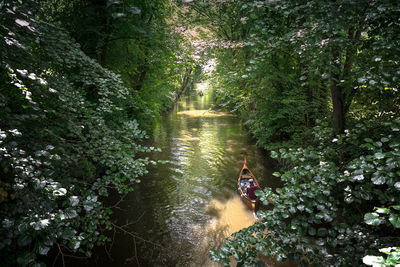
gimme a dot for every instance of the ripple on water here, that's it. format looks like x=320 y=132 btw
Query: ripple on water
x=204 y=113
x=202 y=191
x=176 y=170
x=225 y=217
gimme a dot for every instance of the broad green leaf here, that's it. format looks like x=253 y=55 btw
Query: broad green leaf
x=277 y=174
x=372 y=260
x=384 y=139
x=378 y=180
x=368 y=140
x=390 y=250
x=253 y=16
x=259 y=193
x=372 y=218
x=382 y=210
x=397 y=185
x=394 y=219
x=43 y=249
x=359 y=177
x=274 y=154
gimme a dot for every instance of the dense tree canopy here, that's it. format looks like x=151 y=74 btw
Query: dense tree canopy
x=316 y=81
x=320 y=78
x=79 y=81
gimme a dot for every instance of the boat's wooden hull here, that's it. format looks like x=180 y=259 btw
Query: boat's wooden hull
x=244 y=176
x=252 y=204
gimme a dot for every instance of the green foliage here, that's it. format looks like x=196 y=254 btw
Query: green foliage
x=297 y=68
x=136 y=39
x=319 y=214
x=67 y=138
x=292 y=55
x=392 y=259
x=378 y=217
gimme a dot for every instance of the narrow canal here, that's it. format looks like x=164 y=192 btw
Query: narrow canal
x=189 y=205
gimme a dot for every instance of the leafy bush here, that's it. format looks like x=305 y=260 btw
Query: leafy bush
x=318 y=216
x=66 y=139
x=392 y=259
x=289 y=65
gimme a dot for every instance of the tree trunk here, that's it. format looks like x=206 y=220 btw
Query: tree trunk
x=342 y=93
x=351 y=51
x=140 y=81
x=338 y=108
x=185 y=82
x=337 y=94
x=137 y=79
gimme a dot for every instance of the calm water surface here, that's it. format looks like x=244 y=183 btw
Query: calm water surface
x=189 y=205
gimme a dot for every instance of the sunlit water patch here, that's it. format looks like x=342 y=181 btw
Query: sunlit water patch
x=204 y=113
x=188 y=205
x=227 y=217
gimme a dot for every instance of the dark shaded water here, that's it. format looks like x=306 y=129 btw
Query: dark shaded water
x=187 y=206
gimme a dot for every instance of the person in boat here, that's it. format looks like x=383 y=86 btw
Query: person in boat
x=250 y=190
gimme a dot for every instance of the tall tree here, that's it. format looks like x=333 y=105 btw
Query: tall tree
x=67 y=139
x=332 y=65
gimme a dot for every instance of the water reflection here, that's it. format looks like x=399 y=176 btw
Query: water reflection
x=228 y=217
x=204 y=113
x=190 y=204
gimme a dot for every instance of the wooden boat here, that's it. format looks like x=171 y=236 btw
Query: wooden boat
x=243 y=183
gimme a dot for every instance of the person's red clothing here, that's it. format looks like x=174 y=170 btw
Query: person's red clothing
x=250 y=191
